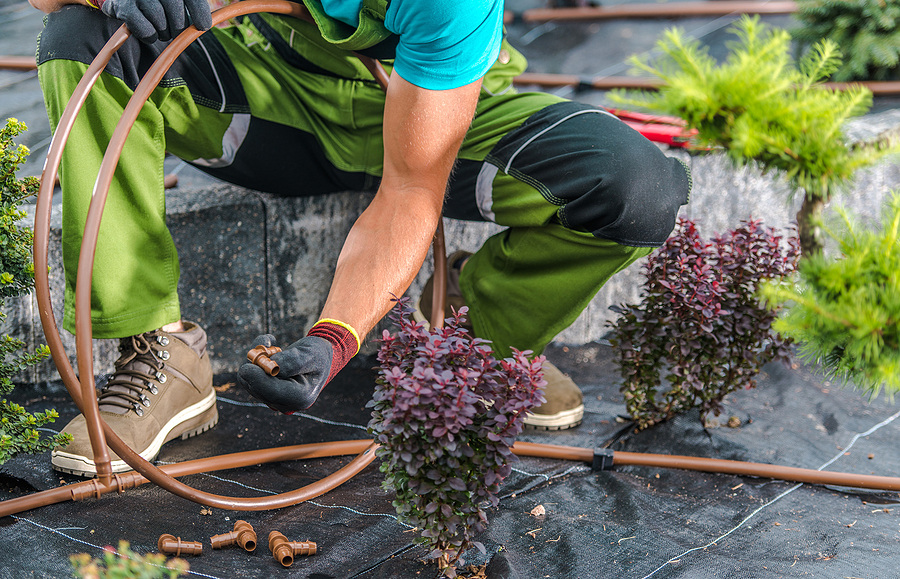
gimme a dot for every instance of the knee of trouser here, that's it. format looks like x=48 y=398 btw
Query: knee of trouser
x=603 y=176
x=633 y=194
x=77 y=33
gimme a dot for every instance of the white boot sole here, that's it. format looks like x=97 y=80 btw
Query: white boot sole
x=84 y=466
x=559 y=421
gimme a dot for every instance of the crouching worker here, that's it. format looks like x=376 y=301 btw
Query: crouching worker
x=279 y=105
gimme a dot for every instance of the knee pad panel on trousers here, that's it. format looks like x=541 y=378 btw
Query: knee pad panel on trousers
x=77 y=33
x=605 y=177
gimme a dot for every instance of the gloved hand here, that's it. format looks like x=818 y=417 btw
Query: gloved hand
x=306 y=366
x=305 y=369
x=149 y=20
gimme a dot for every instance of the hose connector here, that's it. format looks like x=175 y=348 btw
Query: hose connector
x=243 y=535
x=171 y=545
x=284 y=551
x=603 y=459
x=260 y=356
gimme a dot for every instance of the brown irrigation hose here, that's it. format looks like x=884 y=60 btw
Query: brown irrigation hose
x=20 y=63
x=42 y=219
x=714 y=465
x=653 y=10
x=95 y=489
x=550 y=80
x=121 y=482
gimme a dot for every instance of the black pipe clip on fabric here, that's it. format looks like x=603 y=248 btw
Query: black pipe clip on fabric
x=603 y=459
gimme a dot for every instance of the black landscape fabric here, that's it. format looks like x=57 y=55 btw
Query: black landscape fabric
x=631 y=522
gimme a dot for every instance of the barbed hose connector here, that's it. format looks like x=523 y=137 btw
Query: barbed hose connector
x=243 y=535
x=171 y=545
x=284 y=551
x=260 y=356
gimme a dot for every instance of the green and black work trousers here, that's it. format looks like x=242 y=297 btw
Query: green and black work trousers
x=267 y=104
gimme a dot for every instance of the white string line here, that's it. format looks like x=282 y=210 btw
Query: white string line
x=578 y=468
x=297 y=414
x=252 y=488
x=98 y=547
x=881 y=424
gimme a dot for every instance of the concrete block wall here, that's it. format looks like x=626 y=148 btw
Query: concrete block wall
x=253 y=263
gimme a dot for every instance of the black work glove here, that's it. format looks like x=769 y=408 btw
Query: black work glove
x=152 y=20
x=305 y=370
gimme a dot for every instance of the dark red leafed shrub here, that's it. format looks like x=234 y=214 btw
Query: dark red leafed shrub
x=446 y=414
x=700 y=332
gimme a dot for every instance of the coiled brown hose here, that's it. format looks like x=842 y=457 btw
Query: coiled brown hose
x=83 y=392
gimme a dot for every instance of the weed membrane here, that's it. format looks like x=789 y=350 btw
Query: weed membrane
x=630 y=522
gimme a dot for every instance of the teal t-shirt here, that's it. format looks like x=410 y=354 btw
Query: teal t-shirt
x=443 y=44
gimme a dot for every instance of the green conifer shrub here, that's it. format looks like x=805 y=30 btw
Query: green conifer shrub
x=868 y=32
x=18 y=428
x=760 y=107
x=845 y=311
x=700 y=332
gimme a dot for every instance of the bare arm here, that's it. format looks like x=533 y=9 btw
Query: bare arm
x=423 y=130
x=49 y=6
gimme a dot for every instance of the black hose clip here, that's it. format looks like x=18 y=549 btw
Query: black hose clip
x=603 y=459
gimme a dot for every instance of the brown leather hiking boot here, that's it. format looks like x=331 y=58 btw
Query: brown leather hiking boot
x=564 y=406
x=161 y=389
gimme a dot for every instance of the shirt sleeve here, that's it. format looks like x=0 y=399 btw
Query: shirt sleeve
x=445 y=44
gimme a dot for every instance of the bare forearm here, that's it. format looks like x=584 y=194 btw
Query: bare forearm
x=387 y=245
x=381 y=256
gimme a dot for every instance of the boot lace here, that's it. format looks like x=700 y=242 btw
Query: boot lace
x=139 y=371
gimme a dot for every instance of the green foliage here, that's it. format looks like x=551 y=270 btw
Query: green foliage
x=700 y=332
x=16 y=267
x=868 y=32
x=18 y=429
x=126 y=564
x=762 y=107
x=846 y=311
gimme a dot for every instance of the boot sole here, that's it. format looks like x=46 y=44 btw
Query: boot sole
x=417 y=313
x=559 y=421
x=191 y=421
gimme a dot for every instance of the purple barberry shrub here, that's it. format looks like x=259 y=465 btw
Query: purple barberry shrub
x=700 y=331
x=446 y=414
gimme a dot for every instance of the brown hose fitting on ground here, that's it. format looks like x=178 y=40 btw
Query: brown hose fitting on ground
x=171 y=545
x=260 y=356
x=94 y=488
x=243 y=535
x=284 y=551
